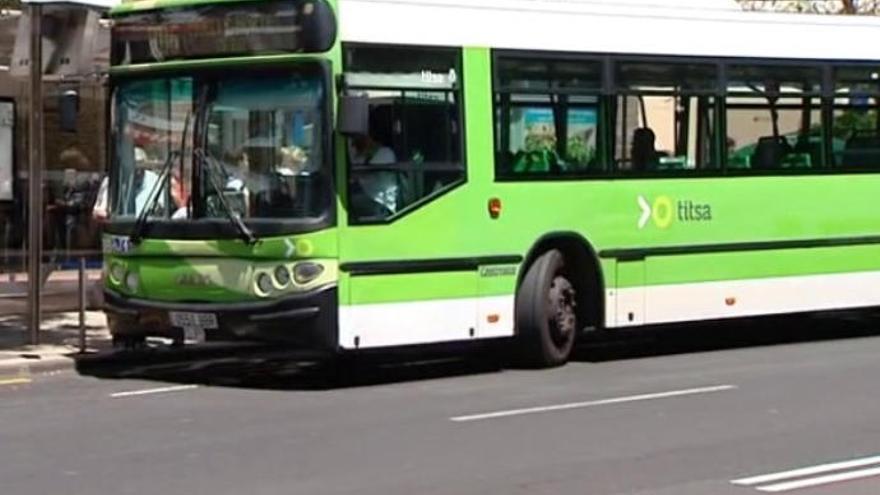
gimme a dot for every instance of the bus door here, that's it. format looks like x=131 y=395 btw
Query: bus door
x=404 y=249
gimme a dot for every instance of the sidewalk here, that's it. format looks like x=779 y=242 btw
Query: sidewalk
x=59 y=341
x=60 y=292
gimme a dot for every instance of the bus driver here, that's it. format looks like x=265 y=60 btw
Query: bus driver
x=380 y=186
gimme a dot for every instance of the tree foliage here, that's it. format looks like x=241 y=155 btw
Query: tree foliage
x=850 y=7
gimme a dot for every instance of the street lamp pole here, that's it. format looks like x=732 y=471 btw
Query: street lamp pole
x=35 y=174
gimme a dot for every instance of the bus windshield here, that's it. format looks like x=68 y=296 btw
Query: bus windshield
x=252 y=144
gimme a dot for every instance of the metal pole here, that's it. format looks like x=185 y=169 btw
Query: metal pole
x=82 y=304
x=35 y=175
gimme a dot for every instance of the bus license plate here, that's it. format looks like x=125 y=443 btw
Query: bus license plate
x=192 y=335
x=186 y=319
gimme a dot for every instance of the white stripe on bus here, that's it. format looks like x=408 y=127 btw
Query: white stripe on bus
x=424 y=322
x=449 y=320
x=517 y=24
x=736 y=298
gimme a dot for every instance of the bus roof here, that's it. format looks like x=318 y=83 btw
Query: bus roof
x=135 y=5
x=679 y=27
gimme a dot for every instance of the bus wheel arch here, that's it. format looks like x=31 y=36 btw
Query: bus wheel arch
x=582 y=264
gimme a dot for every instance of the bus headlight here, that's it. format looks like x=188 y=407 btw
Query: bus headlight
x=117 y=273
x=132 y=281
x=264 y=284
x=282 y=276
x=307 y=271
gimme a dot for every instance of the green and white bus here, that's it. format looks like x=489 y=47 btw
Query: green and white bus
x=363 y=174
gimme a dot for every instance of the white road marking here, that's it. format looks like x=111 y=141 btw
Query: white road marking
x=808 y=471
x=820 y=480
x=807 y=478
x=14 y=381
x=148 y=391
x=601 y=402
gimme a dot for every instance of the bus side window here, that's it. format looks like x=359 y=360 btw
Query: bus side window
x=774 y=118
x=414 y=147
x=665 y=117
x=855 y=127
x=547 y=117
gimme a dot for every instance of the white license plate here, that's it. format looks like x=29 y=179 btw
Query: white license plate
x=186 y=319
x=193 y=335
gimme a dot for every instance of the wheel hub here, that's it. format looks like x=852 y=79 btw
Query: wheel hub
x=562 y=314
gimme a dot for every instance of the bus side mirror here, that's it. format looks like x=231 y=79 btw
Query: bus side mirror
x=353 y=117
x=318 y=26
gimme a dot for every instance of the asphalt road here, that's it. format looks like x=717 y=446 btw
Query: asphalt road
x=710 y=409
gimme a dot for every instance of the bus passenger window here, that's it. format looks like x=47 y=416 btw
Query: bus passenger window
x=413 y=150
x=665 y=117
x=855 y=127
x=774 y=118
x=547 y=114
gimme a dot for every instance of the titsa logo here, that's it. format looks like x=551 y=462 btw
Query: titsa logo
x=663 y=211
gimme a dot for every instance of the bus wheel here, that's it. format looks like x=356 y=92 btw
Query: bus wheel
x=129 y=343
x=546 y=312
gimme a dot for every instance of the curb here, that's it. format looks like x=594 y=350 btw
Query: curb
x=28 y=366
x=75 y=361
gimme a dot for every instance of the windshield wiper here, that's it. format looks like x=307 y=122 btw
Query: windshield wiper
x=203 y=157
x=140 y=225
x=247 y=234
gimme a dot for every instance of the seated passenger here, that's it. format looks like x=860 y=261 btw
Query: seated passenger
x=179 y=195
x=770 y=152
x=644 y=155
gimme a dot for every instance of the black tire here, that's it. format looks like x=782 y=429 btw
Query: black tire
x=129 y=343
x=546 y=313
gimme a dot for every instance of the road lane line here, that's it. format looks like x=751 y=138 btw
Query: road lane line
x=160 y=390
x=14 y=381
x=807 y=471
x=820 y=480
x=601 y=402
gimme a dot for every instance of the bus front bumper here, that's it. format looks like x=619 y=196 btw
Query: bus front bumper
x=307 y=320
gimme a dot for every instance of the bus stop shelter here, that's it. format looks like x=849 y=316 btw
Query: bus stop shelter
x=53 y=116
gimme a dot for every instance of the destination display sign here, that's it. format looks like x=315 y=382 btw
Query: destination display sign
x=223 y=30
